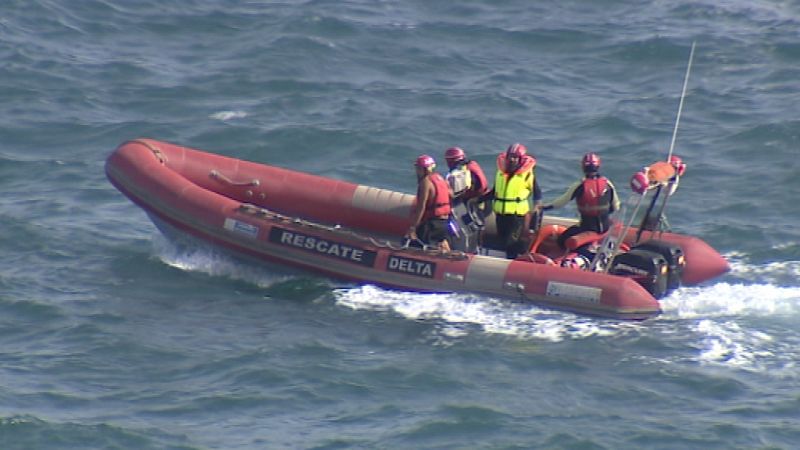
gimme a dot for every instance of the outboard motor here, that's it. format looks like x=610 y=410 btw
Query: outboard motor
x=648 y=268
x=673 y=254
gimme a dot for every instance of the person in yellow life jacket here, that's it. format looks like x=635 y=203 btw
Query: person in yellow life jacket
x=431 y=213
x=595 y=197
x=515 y=183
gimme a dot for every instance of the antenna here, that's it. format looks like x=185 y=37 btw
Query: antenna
x=680 y=105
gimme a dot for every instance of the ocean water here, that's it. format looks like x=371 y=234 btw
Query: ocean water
x=112 y=337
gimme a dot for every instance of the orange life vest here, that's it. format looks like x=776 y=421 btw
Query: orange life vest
x=439 y=204
x=476 y=189
x=594 y=200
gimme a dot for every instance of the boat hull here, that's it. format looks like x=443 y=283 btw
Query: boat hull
x=349 y=232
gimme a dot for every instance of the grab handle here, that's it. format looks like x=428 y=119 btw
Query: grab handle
x=215 y=174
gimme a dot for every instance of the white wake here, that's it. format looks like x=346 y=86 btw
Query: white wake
x=727 y=323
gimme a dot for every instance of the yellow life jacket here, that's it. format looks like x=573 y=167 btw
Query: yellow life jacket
x=512 y=192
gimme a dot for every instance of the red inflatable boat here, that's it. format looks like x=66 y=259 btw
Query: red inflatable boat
x=352 y=232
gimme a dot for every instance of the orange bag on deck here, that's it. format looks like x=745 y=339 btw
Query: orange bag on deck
x=660 y=172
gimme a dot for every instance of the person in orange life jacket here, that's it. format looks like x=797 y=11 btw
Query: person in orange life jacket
x=515 y=183
x=595 y=196
x=431 y=213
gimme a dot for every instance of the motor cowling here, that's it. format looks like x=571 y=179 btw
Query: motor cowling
x=648 y=268
x=673 y=254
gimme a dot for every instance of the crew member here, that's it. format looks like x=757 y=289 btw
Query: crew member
x=431 y=213
x=466 y=178
x=595 y=197
x=467 y=186
x=515 y=183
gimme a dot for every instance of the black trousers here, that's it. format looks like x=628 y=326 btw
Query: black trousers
x=433 y=231
x=510 y=228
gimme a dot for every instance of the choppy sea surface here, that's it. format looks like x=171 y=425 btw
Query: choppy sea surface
x=112 y=337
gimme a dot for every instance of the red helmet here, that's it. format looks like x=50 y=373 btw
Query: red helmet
x=678 y=164
x=517 y=150
x=454 y=154
x=425 y=162
x=590 y=162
